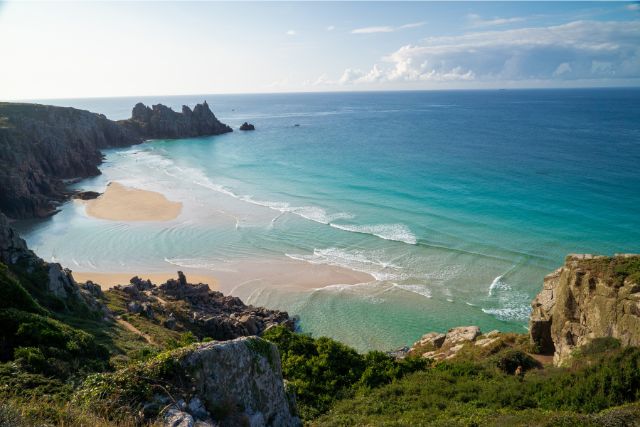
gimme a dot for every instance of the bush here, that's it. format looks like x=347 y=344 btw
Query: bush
x=508 y=361
x=13 y=295
x=323 y=370
x=31 y=337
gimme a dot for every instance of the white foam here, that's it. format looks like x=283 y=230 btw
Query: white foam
x=396 y=232
x=416 y=289
x=354 y=260
x=497 y=284
x=517 y=312
x=198 y=263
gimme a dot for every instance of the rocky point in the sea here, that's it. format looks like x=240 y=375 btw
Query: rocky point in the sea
x=161 y=122
x=247 y=126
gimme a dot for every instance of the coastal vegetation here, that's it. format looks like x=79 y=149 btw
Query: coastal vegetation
x=58 y=370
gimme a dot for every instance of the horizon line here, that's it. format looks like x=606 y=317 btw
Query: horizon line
x=25 y=100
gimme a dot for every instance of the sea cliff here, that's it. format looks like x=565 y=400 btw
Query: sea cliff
x=42 y=147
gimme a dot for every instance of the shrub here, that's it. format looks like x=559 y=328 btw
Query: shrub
x=323 y=370
x=508 y=361
x=13 y=295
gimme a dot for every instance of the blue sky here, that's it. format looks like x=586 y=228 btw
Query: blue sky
x=85 y=49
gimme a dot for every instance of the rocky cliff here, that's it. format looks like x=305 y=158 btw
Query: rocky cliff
x=589 y=297
x=241 y=379
x=160 y=122
x=194 y=307
x=42 y=146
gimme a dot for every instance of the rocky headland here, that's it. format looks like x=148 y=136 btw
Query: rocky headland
x=161 y=122
x=43 y=147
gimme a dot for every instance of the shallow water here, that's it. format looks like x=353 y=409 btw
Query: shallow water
x=457 y=203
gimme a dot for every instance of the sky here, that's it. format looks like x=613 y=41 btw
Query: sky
x=98 y=49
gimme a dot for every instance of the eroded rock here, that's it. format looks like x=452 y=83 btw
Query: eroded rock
x=589 y=297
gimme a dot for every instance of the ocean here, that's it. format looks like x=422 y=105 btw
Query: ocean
x=457 y=203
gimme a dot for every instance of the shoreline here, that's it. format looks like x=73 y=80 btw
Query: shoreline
x=122 y=203
x=108 y=280
x=265 y=273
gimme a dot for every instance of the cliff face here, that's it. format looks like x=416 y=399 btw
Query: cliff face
x=244 y=373
x=41 y=145
x=160 y=122
x=589 y=297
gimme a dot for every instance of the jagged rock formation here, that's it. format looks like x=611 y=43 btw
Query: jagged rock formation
x=437 y=346
x=241 y=379
x=589 y=297
x=196 y=307
x=160 y=122
x=57 y=281
x=41 y=146
x=246 y=126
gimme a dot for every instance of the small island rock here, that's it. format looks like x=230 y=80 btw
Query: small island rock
x=247 y=126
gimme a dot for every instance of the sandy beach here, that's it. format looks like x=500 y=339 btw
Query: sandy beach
x=245 y=275
x=121 y=203
x=109 y=280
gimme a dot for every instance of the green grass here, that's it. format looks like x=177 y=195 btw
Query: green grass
x=321 y=371
x=468 y=393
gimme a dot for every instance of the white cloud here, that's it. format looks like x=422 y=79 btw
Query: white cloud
x=386 y=28
x=576 y=50
x=411 y=25
x=331 y=28
x=478 y=21
x=563 y=68
x=291 y=33
x=322 y=81
x=371 y=30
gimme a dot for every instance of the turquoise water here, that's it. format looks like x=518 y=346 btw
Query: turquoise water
x=458 y=203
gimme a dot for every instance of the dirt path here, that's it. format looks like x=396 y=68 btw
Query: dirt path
x=128 y=326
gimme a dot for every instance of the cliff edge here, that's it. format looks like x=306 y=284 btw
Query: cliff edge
x=43 y=147
x=589 y=297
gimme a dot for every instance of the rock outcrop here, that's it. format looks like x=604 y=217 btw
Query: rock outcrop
x=53 y=278
x=241 y=379
x=161 y=122
x=589 y=297
x=187 y=306
x=438 y=346
x=246 y=126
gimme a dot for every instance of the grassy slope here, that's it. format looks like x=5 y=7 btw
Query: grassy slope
x=471 y=392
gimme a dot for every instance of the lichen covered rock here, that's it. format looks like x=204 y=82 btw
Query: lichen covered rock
x=589 y=297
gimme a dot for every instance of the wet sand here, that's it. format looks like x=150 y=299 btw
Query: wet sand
x=121 y=203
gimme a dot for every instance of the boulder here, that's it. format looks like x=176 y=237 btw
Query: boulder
x=86 y=195
x=243 y=373
x=61 y=282
x=170 y=322
x=134 y=307
x=461 y=334
x=247 y=126
x=174 y=417
x=432 y=339
x=589 y=297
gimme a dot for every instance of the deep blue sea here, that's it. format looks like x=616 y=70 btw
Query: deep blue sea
x=458 y=203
